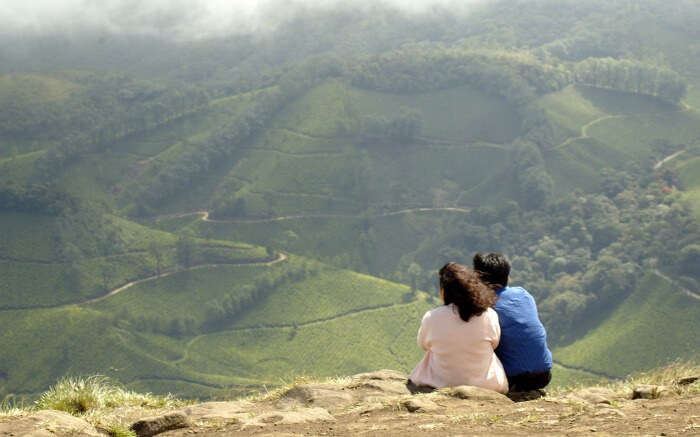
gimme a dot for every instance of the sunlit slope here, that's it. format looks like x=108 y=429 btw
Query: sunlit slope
x=655 y=324
x=461 y=115
x=319 y=321
x=313 y=159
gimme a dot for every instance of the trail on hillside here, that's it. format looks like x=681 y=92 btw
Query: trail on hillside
x=583 y=369
x=677 y=285
x=280 y=258
x=668 y=158
x=584 y=130
x=205 y=215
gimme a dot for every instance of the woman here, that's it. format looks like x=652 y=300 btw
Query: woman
x=459 y=337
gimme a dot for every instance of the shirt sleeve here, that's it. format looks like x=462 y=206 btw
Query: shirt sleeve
x=423 y=332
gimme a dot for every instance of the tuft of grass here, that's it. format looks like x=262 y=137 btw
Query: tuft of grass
x=118 y=430
x=78 y=396
x=11 y=409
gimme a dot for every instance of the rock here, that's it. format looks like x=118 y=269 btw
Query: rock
x=384 y=375
x=216 y=411
x=48 y=423
x=155 y=425
x=473 y=393
x=302 y=415
x=651 y=392
x=594 y=395
x=414 y=404
x=320 y=395
x=688 y=380
x=366 y=387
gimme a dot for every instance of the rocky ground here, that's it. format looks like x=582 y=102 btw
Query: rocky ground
x=379 y=403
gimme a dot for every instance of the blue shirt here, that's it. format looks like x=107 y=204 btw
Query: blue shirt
x=523 y=345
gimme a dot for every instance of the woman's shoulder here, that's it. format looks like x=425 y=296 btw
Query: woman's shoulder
x=441 y=312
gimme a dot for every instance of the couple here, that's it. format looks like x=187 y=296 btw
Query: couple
x=486 y=335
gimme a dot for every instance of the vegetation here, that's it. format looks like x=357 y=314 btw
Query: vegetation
x=270 y=175
x=81 y=395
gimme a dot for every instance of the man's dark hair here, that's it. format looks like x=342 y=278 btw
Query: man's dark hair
x=461 y=286
x=493 y=267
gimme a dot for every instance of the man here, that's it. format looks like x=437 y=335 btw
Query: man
x=523 y=347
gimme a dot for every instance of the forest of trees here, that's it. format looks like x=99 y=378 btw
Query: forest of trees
x=36 y=198
x=631 y=76
x=519 y=77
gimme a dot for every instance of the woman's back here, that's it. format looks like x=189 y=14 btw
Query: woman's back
x=459 y=352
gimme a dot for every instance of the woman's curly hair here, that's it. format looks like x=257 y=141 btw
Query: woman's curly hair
x=463 y=287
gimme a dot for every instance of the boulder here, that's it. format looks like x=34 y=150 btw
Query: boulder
x=157 y=424
x=49 y=423
x=647 y=391
x=473 y=393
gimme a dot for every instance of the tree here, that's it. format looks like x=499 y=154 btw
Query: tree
x=414 y=273
x=690 y=260
x=108 y=273
x=185 y=250
x=156 y=252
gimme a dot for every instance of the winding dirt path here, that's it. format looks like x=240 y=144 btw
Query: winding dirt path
x=584 y=130
x=668 y=158
x=583 y=369
x=205 y=215
x=281 y=257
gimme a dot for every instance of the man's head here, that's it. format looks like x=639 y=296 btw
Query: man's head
x=494 y=268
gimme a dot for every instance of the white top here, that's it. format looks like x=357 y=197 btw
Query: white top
x=459 y=352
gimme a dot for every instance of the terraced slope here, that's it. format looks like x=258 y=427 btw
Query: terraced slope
x=657 y=321
x=166 y=334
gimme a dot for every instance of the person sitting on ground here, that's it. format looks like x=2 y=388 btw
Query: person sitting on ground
x=460 y=336
x=523 y=347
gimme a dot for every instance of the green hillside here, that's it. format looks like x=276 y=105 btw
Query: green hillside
x=120 y=335
x=647 y=320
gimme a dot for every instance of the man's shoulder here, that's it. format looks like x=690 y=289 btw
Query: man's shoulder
x=513 y=293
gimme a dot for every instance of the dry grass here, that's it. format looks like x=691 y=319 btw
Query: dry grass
x=295 y=381
x=79 y=396
x=667 y=376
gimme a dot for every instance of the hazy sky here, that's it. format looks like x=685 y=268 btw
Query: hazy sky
x=172 y=18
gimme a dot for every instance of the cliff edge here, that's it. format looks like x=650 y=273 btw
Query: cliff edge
x=379 y=403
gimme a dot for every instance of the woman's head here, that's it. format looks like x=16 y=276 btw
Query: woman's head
x=463 y=287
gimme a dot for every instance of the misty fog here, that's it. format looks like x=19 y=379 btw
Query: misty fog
x=178 y=19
